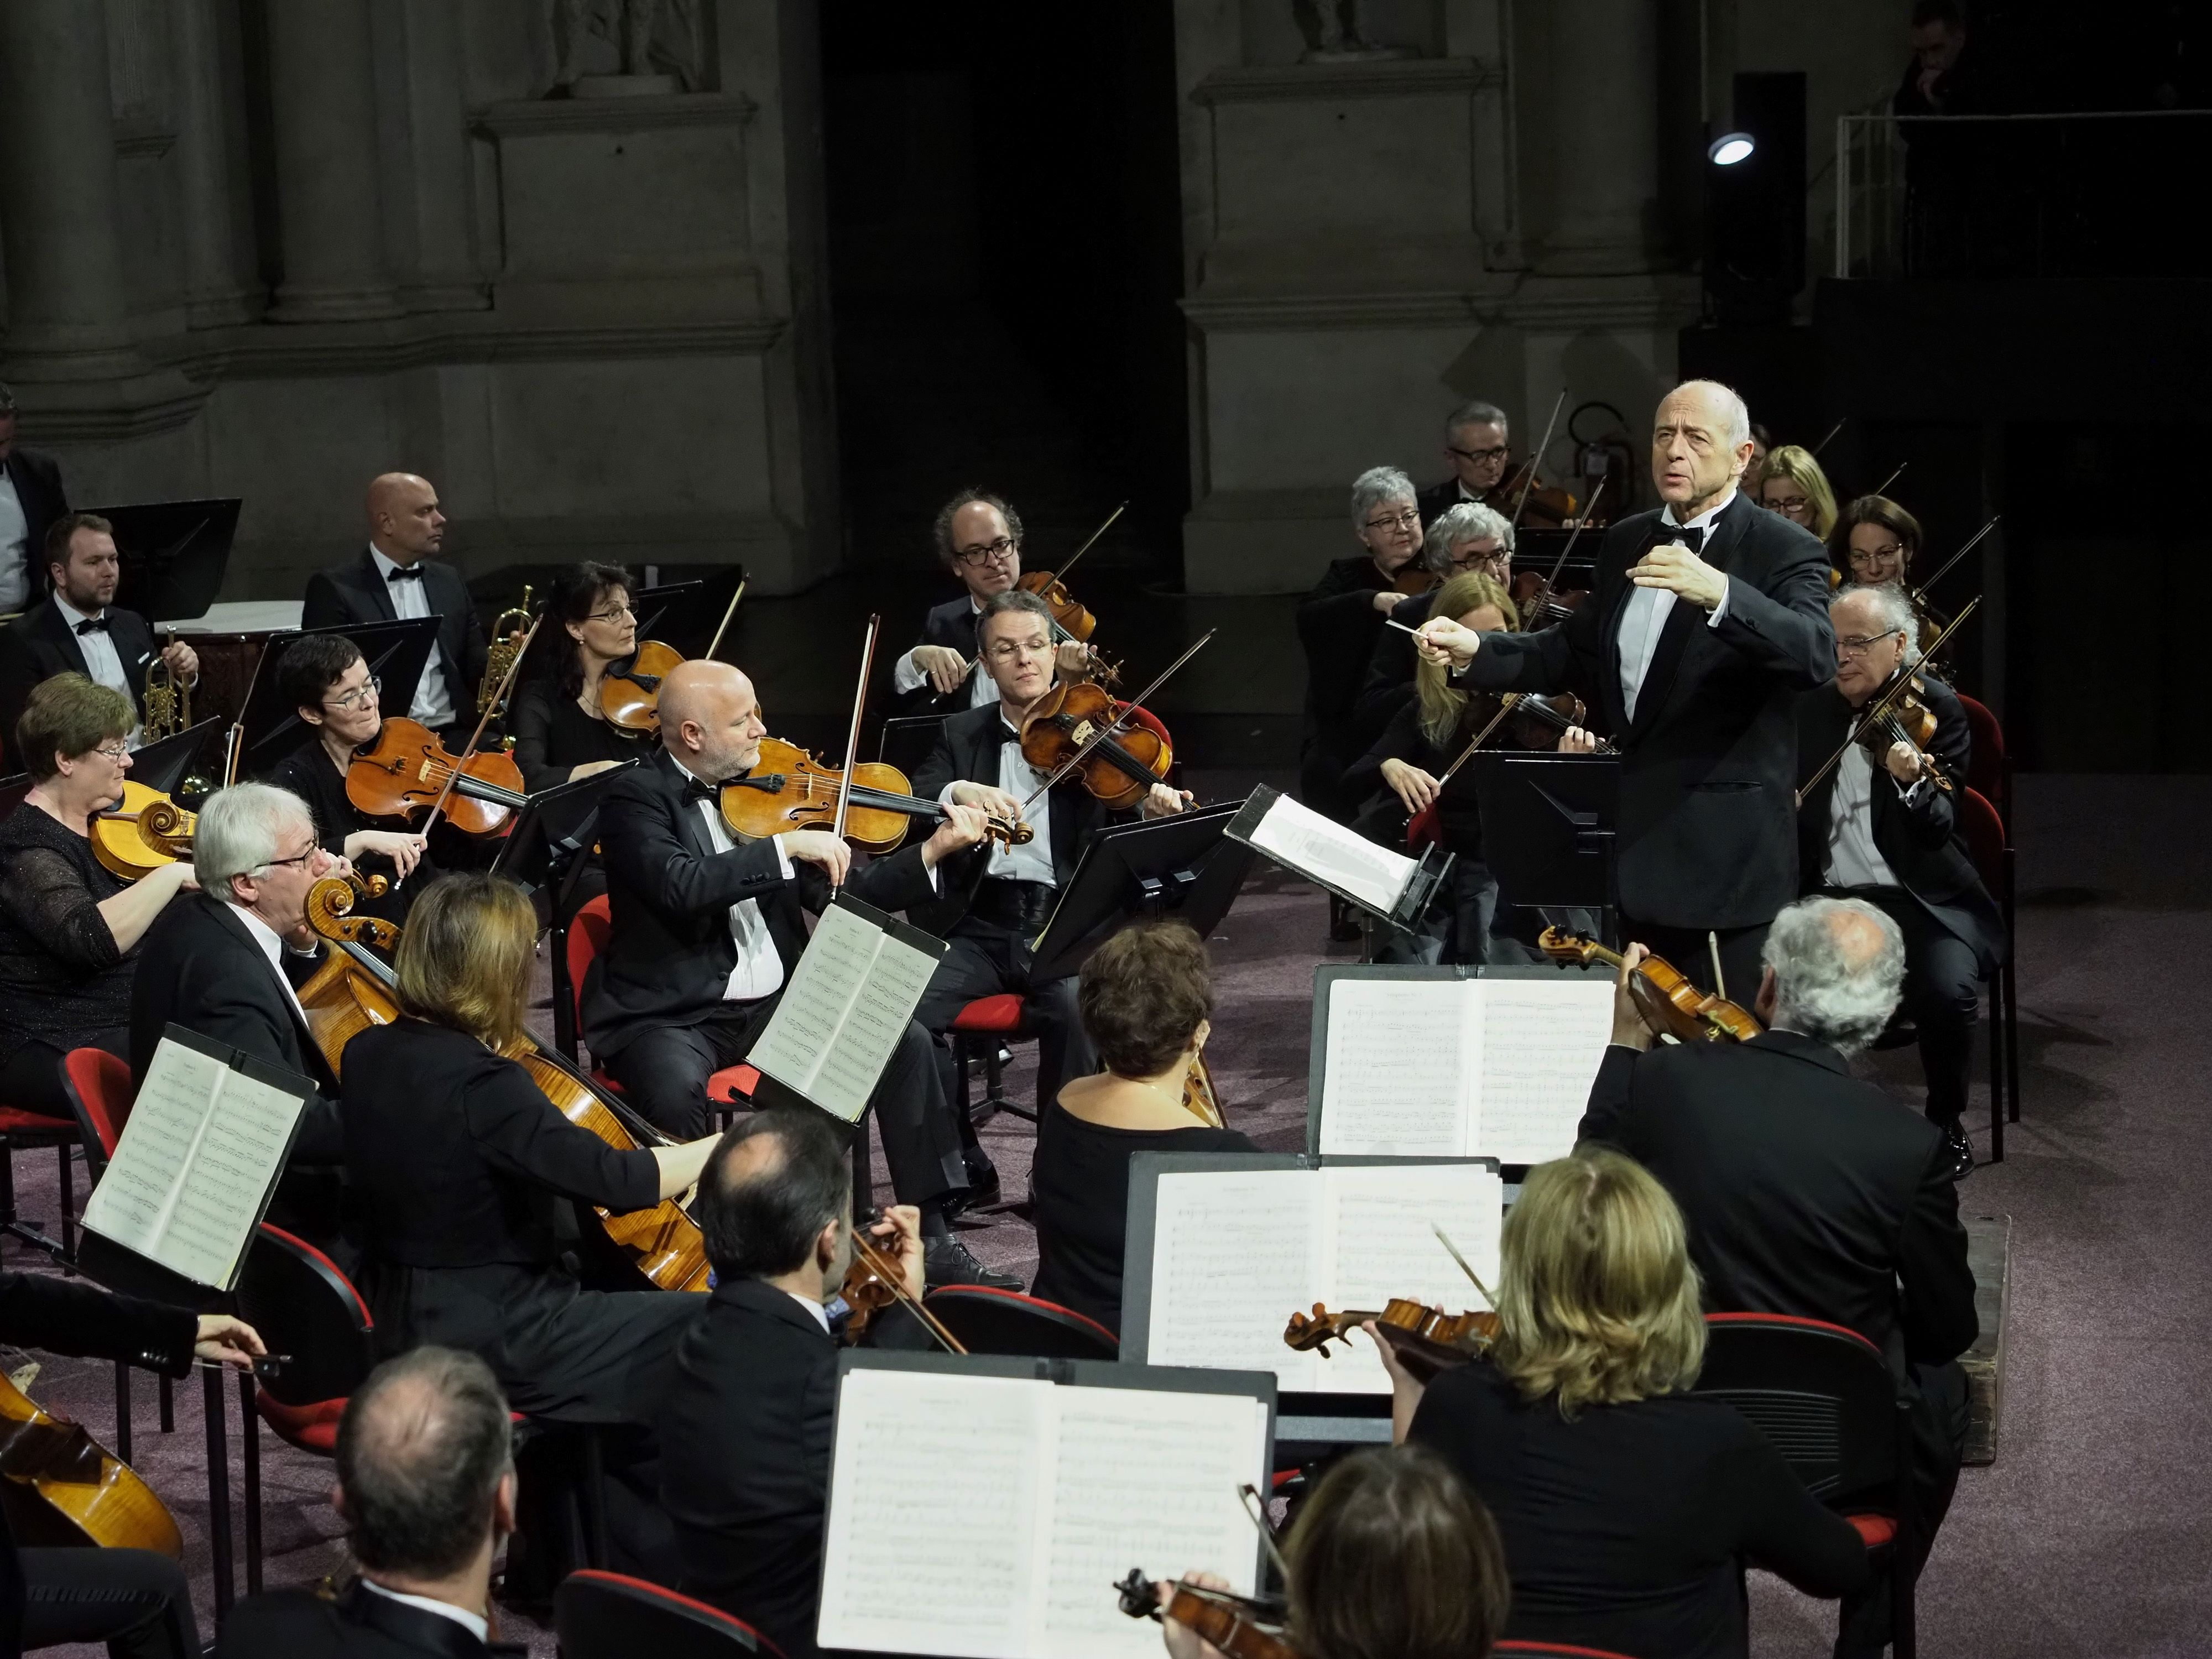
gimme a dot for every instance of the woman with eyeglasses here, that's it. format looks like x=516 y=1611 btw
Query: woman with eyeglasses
x=325 y=678
x=1874 y=542
x=68 y=930
x=560 y=734
x=1794 y=485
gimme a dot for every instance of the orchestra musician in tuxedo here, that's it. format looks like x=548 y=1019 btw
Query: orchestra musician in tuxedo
x=1887 y=831
x=705 y=931
x=979 y=539
x=395 y=577
x=1477 y=445
x=77 y=628
x=30 y=499
x=1709 y=617
x=1466 y=539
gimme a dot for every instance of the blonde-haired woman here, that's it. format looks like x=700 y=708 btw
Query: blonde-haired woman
x=1794 y=486
x=1628 y=1510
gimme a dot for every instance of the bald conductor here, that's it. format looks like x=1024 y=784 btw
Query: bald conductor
x=396 y=578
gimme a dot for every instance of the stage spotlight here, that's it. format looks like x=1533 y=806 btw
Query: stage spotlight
x=1755 y=193
x=1731 y=147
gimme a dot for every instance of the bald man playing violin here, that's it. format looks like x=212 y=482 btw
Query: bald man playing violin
x=998 y=899
x=706 y=930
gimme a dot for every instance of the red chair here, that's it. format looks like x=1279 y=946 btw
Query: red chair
x=1990 y=849
x=1557 y=1648
x=1988 y=766
x=28 y=1131
x=727 y=1090
x=609 y=1615
x=987 y=1320
x=305 y=1307
x=995 y=1020
x=1826 y=1400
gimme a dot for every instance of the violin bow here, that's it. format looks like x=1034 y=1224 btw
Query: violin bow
x=853 y=731
x=1882 y=489
x=713 y=644
x=1536 y=455
x=1831 y=438
x=1559 y=564
x=1506 y=704
x=1109 y=728
x=1973 y=542
x=1881 y=705
x=1061 y=574
x=506 y=685
x=1255 y=1508
x=1465 y=1266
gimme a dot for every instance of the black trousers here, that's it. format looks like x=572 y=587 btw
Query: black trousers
x=31 y=1081
x=136 y=1601
x=1939 y=1445
x=985 y=959
x=664 y=1076
x=1943 y=994
x=1691 y=949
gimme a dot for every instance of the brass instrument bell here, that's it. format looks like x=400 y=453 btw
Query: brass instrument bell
x=508 y=633
x=169 y=700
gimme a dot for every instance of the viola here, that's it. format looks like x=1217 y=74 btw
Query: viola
x=789 y=789
x=1240 y=1626
x=1542 y=601
x=877 y=1279
x=1125 y=758
x=141 y=833
x=630 y=690
x=1545 y=506
x=1670 y=1004
x=406 y=769
x=1198 y=1097
x=1071 y=620
x=60 y=1487
x=1424 y=1340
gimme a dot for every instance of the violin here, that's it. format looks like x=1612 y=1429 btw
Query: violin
x=1539 y=599
x=407 y=769
x=1071 y=620
x=1670 y=1004
x=1424 y=1340
x=1081 y=724
x=1240 y=1626
x=1198 y=1097
x=1545 y=506
x=629 y=690
x=141 y=833
x=789 y=789
x=1414 y=578
x=1556 y=713
x=876 y=1280
x=60 y=1487
x=1908 y=720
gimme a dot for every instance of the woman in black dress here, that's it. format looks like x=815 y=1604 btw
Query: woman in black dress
x=68 y=930
x=1628 y=1511
x=560 y=734
x=1146 y=998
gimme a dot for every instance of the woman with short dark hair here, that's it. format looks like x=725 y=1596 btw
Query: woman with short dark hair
x=1146 y=1001
x=1874 y=542
x=560 y=735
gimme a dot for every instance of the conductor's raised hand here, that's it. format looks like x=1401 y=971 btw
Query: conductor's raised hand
x=1414 y=788
x=946 y=668
x=963 y=827
x=1442 y=640
x=1682 y=574
x=1629 y=1029
x=821 y=849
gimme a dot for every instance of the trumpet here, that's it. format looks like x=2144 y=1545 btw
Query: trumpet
x=169 y=700
x=507 y=636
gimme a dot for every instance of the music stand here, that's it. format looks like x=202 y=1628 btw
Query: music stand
x=1547 y=827
x=1181 y=866
x=907 y=740
x=164 y=765
x=395 y=652
x=547 y=850
x=173 y=555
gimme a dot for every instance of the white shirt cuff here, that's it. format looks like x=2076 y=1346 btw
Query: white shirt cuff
x=1720 y=609
x=905 y=677
x=782 y=858
x=945 y=795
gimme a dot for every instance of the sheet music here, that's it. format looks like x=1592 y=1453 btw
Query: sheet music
x=874 y=1023
x=1542 y=1041
x=1300 y=837
x=138 y=1192
x=1233 y=1256
x=843 y=1013
x=1382 y=1237
x=1399 y=1077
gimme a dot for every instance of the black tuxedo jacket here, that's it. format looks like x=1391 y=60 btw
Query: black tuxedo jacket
x=752 y=1402
x=1805 y=1190
x=42 y=643
x=1706 y=832
x=1337 y=625
x=359 y=1624
x=669 y=950
x=1918 y=838
x=951 y=625
x=37 y=481
x=355 y=592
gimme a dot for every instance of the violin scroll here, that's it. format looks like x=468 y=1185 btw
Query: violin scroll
x=329 y=913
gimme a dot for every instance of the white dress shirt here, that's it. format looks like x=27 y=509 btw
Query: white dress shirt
x=101 y=660
x=1853 y=858
x=821 y=1314
x=1644 y=618
x=15 y=546
x=759 y=969
x=434 y=698
x=981 y=689
x=1032 y=861
x=472 y=1622
x=273 y=947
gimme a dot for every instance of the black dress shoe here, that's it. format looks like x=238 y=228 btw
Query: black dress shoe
x=983 y=1189
x=947 y=1262
x=1958 y=1151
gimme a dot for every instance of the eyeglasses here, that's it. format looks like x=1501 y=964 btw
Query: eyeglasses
x=1857 y=644
x=1409 y=519
x=989 y=553
x=1479 y=456
x=1007 y=650
x=360 y=695
x=620 y=613
x=1477 y=558
x=113 y=751
x=1861 y=558
x=311 y=853
x=1787 y=504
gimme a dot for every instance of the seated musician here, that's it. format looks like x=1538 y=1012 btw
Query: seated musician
x=425 y=1483
x=1147 y=1005
x=1874 y=542
x=1460 y=541
x=1808 y=1191
x=1391 y=1554
x=997 y=898
x=1483 y=471
x=1794 y=486
x=560 y=733
x=324 y=676
x=1399 y=777
x=1628 y=1511
x=70 y=931
x=1886 y=830
x=77 y=628
x=706 y=932
x=979 y=539
x=459 y=1163
x=754 y=1395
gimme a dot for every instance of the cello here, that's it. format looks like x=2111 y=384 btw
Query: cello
x=60 y=1487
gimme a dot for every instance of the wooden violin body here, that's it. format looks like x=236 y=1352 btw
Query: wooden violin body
x=1670 y=1004
x=1198 y=1097
x=60 y=1487
x=1904 y=717
x=1071 y=620
x=141 y=833
x=1546 y=506
x=1543 y=605
x=1413 y=578
x=789 y=789
x=876 y=1280
x=407 y=769
x=629 y=692
x=1425 y=1340
x=1239 y=1626
x=1120 y=770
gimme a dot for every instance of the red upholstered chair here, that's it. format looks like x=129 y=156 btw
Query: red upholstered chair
x=305 y=1308
x=1989 y=765
x=1990 y=849
x=609 y=1615
x=990 y=1321
x=728 y=1090
x=1827 y=1399
x=22 y=1131
x=989 y=1021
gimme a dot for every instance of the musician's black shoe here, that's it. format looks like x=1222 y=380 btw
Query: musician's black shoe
x=983 y=1189
x=946 y=1261
x=1958 y=1151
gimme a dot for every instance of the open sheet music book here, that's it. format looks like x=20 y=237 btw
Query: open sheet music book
x=846 y=1006
x=1300 y=839
x=1490 y=1067
x=990 y=1515
x=1236 y=1253
x=198 y=1159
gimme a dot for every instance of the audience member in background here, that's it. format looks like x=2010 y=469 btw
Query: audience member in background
x=1391 y=1558
x=31 y=498
x=1794 y=486
x=1146 y=1001
x=754 y=1396
x=426 y=1488
x=68 y=930
x=1874 y=542
x=1809 y=1192
x=560 y=735
x=1628 y=1511
x=1468 y=539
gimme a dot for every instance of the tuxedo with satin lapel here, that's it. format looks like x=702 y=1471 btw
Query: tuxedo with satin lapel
x=355 y=593
x=359 y=1624
x=42 y=643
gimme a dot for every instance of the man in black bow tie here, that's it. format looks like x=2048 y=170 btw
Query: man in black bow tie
x=1709 y=617
x=77 y=628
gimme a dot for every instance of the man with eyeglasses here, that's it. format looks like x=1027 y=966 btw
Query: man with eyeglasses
x=979 y=539
x=1476 y=444
x=1880 y=826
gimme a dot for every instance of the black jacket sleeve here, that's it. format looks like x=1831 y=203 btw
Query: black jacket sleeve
x=1785 y=626
x=642 y=849
x=249 y=1015
x=324 y=606
x=1786 y=1530
x=942 y=767
x=65 y=1317
x=530 y=721
x=1930 y=815
x=1611 y=1091
x=1561 y=658
x=522 y=1133
x=1936 y=1313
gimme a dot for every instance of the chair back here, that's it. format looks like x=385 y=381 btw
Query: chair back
x=1984 y=835
x=1986 y=763
x=304 y=1306
x=98 y=1085
x=587 y=936
x=987 y=1320
x=611 y=1616
x=1823 y=1395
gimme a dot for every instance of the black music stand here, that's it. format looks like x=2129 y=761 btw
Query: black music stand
x=1547 y=829
x=1181 y=865
x=547 y=851
x=165 y=764
x=395 y=652
x=907 y=740
x=173 y=555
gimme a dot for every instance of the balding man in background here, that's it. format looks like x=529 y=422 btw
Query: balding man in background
x=705 y=931
x=1710 y=616
x=1808 y=1191
x=396 y=578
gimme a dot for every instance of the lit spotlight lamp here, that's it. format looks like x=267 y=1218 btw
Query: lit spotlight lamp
x=1730 y=148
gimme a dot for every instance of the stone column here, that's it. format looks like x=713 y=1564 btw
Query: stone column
x=322 y=83
x=68 y=305
x=1605 y=185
